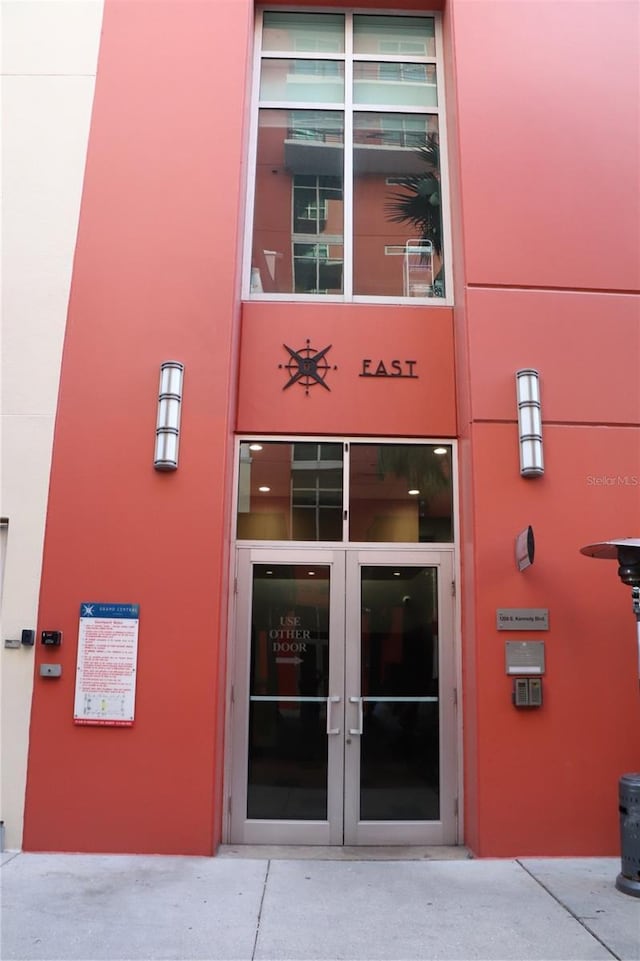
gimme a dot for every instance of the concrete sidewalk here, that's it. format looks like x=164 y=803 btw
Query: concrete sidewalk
x=66 y=906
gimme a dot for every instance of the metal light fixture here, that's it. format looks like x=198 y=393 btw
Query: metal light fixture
x=529 y=422
x=168 y=425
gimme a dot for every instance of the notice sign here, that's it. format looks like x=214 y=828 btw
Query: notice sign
x=106 y=670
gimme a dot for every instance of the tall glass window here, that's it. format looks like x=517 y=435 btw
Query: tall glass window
x=348 y=187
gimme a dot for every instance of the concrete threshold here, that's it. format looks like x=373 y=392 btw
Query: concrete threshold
x=308 y=852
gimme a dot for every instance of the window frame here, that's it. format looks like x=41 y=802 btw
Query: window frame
x=348 y=441
x=349 y=108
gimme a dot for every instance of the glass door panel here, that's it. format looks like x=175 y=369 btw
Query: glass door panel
x=288 y=690
x=399 y=760
x=400 y=770
x=286 y=784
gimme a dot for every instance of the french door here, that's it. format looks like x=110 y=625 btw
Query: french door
x=343 y=723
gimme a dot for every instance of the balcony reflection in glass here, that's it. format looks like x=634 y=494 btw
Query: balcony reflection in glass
x=401 y=84
x=298 y=228
x=287 y=31
x=302 y=81
x=398 y=244
x=382 y=34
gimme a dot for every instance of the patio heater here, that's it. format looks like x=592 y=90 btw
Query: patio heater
x=626 y=551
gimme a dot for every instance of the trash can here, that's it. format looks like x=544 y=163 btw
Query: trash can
x=628 y=880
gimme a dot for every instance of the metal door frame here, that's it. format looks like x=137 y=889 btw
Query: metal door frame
x=242 y=829
x=342 y=825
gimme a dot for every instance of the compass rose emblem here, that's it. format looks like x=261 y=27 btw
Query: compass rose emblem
x=307 y=366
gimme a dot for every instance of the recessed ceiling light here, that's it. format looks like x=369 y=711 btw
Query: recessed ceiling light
x=255 y=446
x=264 y=490
x=311 y=573
x=268 y=572
x=439 y=450
x=396 y=573
x=413 y=491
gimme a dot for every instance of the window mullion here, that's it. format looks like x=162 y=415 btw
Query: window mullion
x=253 y=152
x=347 y=186
x=346 y=473
x=444 y=162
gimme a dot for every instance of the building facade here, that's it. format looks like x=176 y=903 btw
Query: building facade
x=279 y=598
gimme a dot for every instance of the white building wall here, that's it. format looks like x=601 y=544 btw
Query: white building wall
x=49 y=58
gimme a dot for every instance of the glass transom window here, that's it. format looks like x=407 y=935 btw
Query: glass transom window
x=348 y=195
x=357 y=492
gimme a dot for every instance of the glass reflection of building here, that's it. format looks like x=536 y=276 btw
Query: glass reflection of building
x=340 y=141
x=397 y=493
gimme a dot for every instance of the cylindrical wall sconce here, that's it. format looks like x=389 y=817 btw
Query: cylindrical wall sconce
x=529 y=422
x=168 y=425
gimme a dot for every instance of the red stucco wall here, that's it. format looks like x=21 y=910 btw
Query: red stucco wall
x=410 y=407
x=155 y=278
x=545 y=227
x=547 y=279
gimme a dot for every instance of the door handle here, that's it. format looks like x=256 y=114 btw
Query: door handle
x=358 y=701
x=332 y=699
